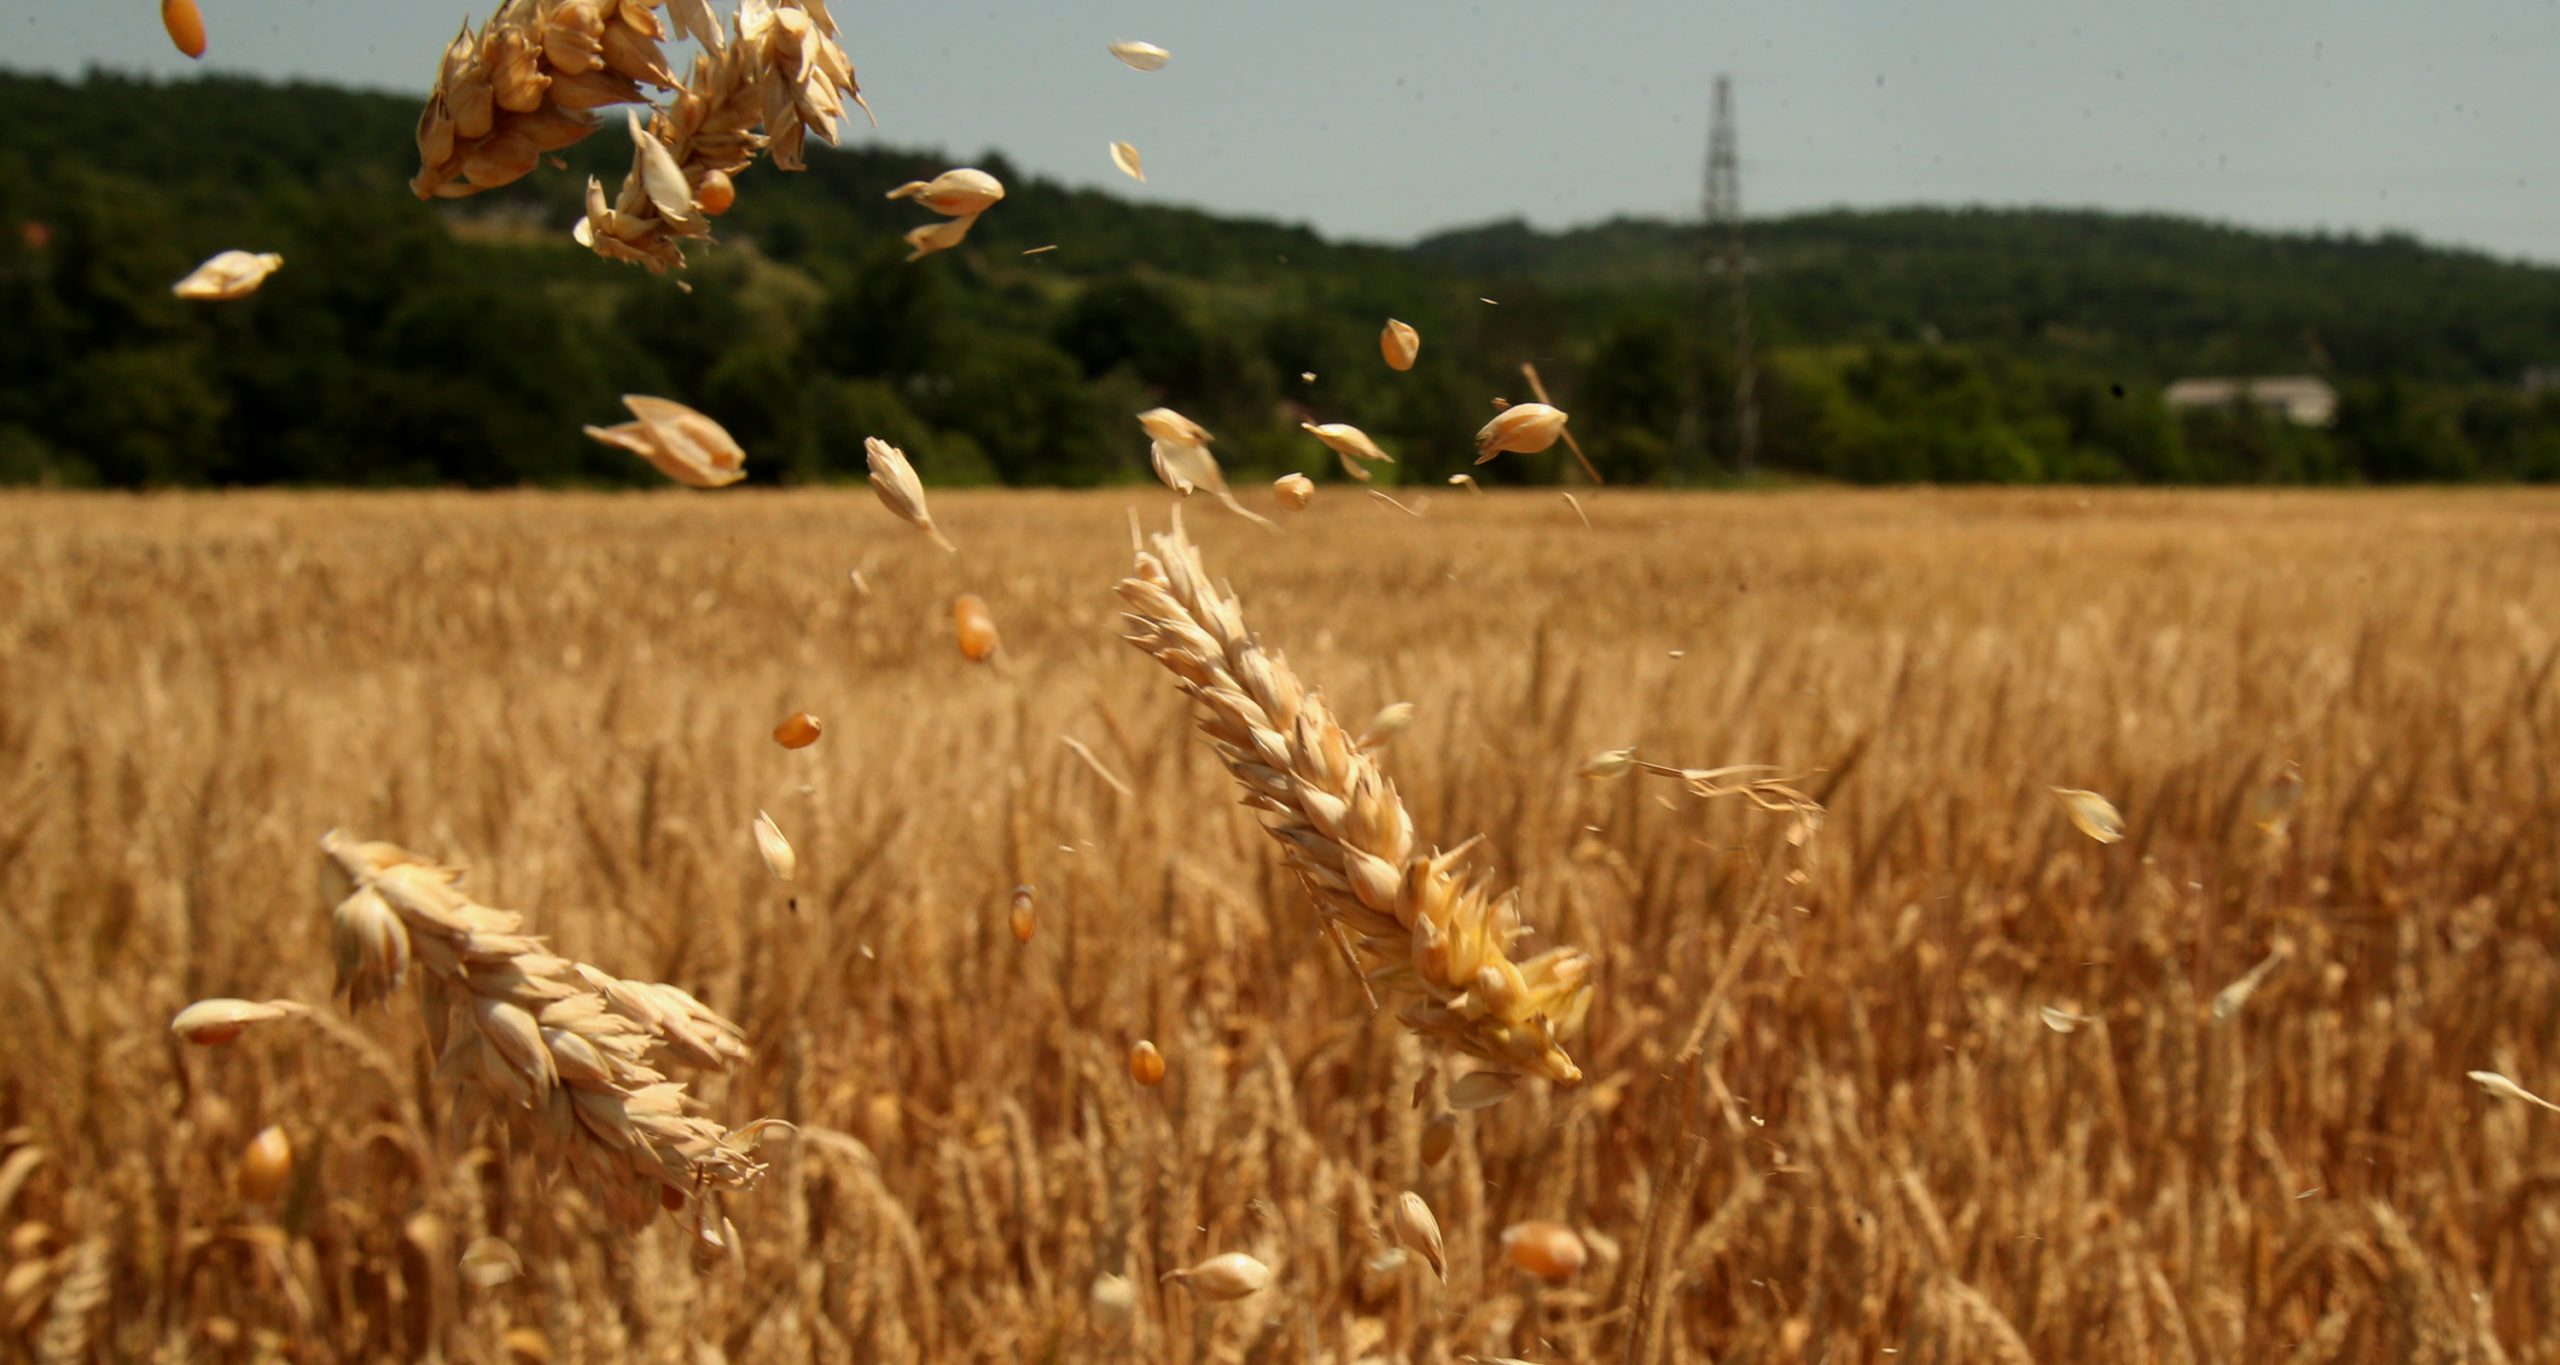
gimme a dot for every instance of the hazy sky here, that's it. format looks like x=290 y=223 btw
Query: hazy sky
x=1389 y=118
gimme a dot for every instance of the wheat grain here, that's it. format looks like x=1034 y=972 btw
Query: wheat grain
x=1438 y=1136
x=798 y=730
x=1021 y=914
x=185 y=24
x=974 y=627
x=265 y=1164
x=1544 y=1248
x=1400 y=344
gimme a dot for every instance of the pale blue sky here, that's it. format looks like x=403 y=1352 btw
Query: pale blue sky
x=1386 y=119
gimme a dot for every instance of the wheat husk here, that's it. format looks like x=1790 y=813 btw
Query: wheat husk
x=2091 y=814
x=899 y=490
x=961 y=193
x=1520 y=428
x=1418 y=1230
x=681 y=443
x=1185 y=466
x=1350 y=445
x=210 y=1023
x=1232 y=1275
x=1140 y=56
x=925 y=240
x=228 y=275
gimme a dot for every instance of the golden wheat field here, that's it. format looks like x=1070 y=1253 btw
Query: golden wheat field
x=1947 y=1081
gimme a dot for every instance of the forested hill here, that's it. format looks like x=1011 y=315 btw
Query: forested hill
x=2159 y=295
x=468 y=342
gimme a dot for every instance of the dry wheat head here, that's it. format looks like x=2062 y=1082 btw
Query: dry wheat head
x=777 y=78
x=1433 y=937
x=566 y=1051
x=527 y=83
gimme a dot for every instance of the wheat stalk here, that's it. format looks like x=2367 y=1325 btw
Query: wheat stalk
x=1436 y=938
x=567 y=1051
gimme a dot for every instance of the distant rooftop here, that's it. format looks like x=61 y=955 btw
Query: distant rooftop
x=2304 y=400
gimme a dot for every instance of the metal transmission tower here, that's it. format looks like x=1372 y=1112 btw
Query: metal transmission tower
x=1724 y=256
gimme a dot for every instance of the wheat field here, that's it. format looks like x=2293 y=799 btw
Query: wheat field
x=1947 y=1082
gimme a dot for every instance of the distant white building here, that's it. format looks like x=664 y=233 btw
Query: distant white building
x=2297 y=398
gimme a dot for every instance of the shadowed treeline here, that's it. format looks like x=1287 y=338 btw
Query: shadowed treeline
x=467 y=342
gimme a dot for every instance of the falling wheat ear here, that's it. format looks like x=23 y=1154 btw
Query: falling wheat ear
x=567 y=1054
x=1432 y=938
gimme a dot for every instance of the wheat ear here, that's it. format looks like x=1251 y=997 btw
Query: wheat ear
x=782 y=70
x=528 y=83
x=1434 y=938
x=567 y=1051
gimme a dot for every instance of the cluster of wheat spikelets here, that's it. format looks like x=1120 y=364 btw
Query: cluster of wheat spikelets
x=565 y=1051
x=1437 y=939
x=526 y=84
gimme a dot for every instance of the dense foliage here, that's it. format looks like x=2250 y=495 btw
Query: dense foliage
x=468 y=342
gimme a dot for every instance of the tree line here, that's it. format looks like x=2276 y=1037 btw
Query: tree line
x=467 y=343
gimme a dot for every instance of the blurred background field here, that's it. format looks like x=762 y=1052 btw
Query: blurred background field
x=1885 y=1143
